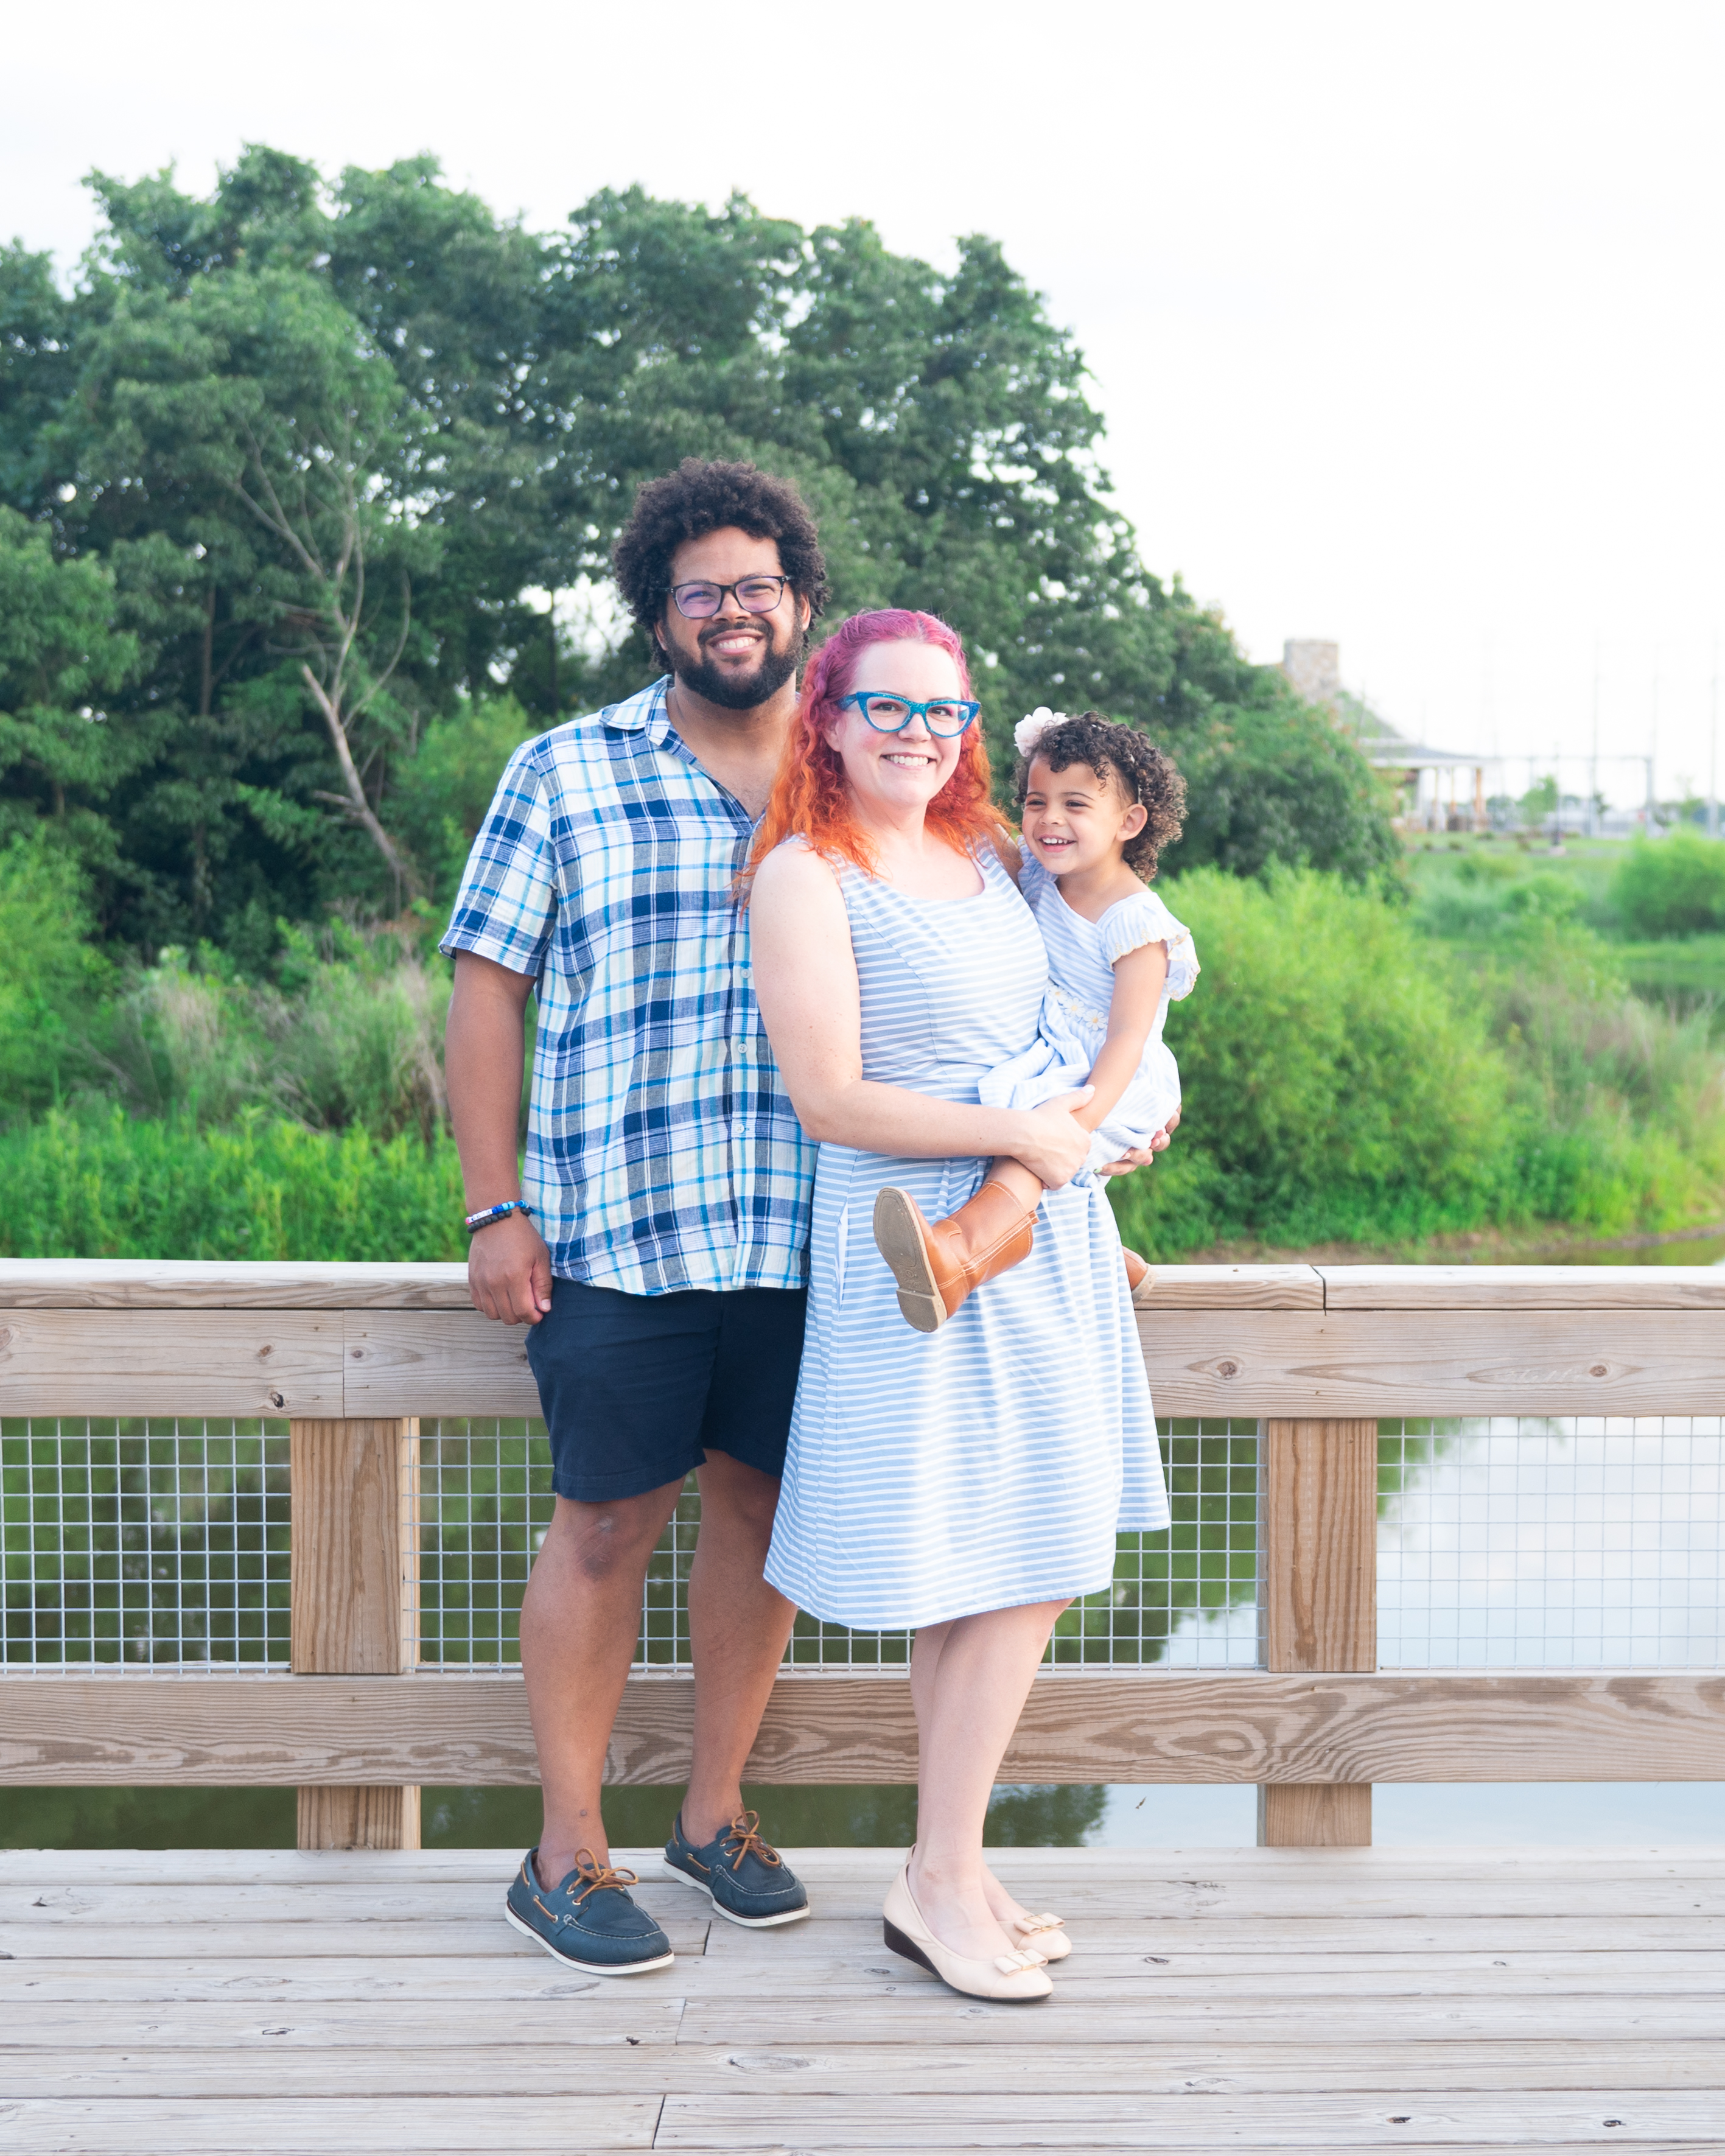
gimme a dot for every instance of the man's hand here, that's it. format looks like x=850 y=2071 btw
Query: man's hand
x=508 y=1265
x=509 y=1271
x=1141 y=1156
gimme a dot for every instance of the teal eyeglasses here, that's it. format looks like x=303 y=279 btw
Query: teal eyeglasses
x=945 y=716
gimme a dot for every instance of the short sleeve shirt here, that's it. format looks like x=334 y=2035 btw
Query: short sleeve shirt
x=663 y=1152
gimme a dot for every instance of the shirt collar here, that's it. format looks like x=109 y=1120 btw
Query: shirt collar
x=645 y=712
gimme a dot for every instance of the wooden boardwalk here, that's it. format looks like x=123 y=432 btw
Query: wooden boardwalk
x=1236 y=1999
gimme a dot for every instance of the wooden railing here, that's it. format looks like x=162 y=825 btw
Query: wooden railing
x=353 y=1355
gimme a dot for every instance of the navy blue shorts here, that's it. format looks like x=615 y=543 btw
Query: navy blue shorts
x=636 y=1388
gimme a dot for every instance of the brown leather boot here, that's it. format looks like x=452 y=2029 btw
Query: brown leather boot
x=936 y=1267
x=1139 y=1275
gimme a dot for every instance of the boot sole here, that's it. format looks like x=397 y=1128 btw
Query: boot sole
x=899 y=1241
x=586 y=1968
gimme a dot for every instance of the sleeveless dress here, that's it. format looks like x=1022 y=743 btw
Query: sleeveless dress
x=932 y=1475
x=1074 y=1023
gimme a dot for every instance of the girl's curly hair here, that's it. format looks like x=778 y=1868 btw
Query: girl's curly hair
x=1144 y=772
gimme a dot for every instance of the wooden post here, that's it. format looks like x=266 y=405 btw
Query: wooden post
x=1318 y=1588
x=355 y=1599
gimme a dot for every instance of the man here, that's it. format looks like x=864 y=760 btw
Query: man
x=661 y=1265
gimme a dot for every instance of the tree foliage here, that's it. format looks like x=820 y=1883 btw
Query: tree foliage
x=292 y=476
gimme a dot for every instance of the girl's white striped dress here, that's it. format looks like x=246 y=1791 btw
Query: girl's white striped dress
x=989 y=1464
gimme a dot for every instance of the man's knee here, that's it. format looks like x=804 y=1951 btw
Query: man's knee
x=737 y=1499
x=603 y=1540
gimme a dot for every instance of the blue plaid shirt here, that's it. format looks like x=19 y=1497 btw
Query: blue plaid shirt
x=662 y=1150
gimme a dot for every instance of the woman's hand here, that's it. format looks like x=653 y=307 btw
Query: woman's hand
x=1055 y=1143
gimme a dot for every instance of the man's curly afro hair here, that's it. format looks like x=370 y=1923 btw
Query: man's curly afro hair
x=698 y=498
x=1134 y=760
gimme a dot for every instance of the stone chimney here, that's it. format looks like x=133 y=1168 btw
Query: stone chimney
x=1314 y=669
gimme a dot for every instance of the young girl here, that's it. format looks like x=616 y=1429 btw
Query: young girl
x=1097 y=804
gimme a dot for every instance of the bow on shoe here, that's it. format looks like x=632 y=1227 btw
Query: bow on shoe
x=1010 y=1964
x=596 y=1875
x=1045 y=1922
x=745 y=1838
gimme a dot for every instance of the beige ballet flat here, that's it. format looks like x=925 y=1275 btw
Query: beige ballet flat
x=1009 y=1976
x=1046 y=1933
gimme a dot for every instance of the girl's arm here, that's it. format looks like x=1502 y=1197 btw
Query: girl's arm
x=805 y=980
x=1138 y=979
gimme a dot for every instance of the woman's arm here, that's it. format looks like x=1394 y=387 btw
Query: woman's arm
x=805 y=979
x=1138 y=979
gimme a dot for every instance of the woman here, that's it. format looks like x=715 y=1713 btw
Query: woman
x=969 y=1483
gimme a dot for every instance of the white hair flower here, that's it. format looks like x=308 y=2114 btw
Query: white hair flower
x=1030 y=730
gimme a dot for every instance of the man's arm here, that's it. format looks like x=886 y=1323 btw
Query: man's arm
x=508 y=1265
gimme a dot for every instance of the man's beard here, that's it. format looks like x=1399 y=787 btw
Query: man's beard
x=738 y=692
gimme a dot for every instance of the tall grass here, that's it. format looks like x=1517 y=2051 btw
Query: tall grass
x=111 y=1186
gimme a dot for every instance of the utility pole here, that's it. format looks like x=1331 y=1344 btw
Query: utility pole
x=1713 y=758
x=1593 y=781
x=1653 y=754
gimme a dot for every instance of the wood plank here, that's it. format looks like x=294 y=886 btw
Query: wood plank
x=473 y=2065
x=1314 y=1814
x=1318 y=1568
x=639 y=2017
x=838 y=1727
x=476 y=2058
x=1365 y=1363
x=160 y=1284
x=772 y=2118
x=170 y=1362
x=357 y=1815
x=1102 y=1866
x=446 y=1363
x=1237 y=1287
x=312 y=2126
x=354 y=1580
x=354 y=1599
x=266 y=1938
x=1523 y=1287
x=1317 y=1597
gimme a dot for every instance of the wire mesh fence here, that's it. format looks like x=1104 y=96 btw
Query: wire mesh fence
x=1185 y=1598
x=129 y=1544
x=1579 y=1541
x=133 y=1543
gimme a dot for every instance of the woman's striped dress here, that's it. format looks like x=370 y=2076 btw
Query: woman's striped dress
x=932 y=1475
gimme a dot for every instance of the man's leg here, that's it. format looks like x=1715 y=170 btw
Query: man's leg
x=737 y=1630
x=580 y=1619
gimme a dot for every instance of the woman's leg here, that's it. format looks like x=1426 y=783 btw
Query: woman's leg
x=969 y=1678
x=925 y=1660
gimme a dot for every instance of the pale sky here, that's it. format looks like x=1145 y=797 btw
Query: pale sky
x=1406 y=320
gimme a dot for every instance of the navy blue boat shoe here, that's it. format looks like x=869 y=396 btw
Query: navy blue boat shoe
x=589 y=1922
x=744 y=1877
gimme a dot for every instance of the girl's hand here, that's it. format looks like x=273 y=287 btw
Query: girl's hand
x=1055 y=1146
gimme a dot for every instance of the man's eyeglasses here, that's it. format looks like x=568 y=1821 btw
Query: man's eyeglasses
x=701 y=602
x=944 y=717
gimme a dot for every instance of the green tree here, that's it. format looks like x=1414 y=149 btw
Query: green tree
x=333 y=444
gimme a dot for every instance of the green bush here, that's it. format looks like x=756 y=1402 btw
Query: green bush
x=1672 y=886
x=1347 y=1079
x=1333 y=1084
x=105 y=1187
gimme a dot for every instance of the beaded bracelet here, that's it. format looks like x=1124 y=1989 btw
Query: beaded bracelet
x=486 y=1214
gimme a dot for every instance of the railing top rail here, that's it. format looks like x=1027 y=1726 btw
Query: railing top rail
x=149 y=1283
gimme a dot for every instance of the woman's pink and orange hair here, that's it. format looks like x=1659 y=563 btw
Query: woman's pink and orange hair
x=809 y=800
